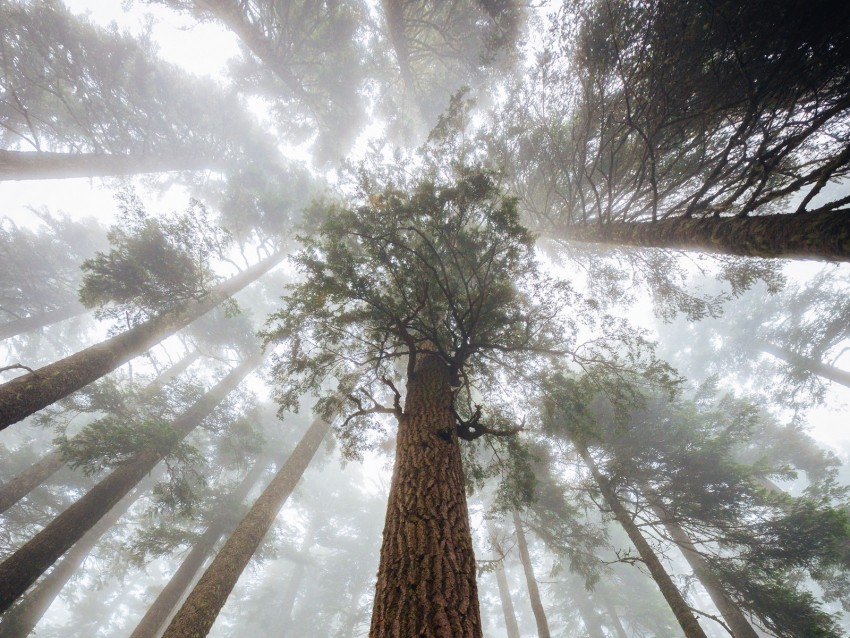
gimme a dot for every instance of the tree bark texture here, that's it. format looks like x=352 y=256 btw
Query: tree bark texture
x=197 y=615
x=819 y=368
x=426 y=578
x=30 y=165
x=681 y=610
x=824 y=235
x=531 y=581
x=31 y=392
x=21 y=619
x=156 y=615
x=34 y=322
x=21 y=569
x=504 y=589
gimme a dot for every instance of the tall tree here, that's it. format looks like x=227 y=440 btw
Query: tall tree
x=531 y=581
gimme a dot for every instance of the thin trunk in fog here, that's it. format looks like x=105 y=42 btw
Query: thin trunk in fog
x=154 y=619
x=531 y=581
x=31 y=165
x=20 y=570
x=587 y=612
x=681 y=610
x=823 y=370
x=426 y=578
x=198 y=613
x=34 y=322
x=504 y=590
x=823 y=235
x=21 y=619
x=394 y=16
x=18 y=487
x=614 y=617
x=31 y=392
x=294 y=582
x=353 y=617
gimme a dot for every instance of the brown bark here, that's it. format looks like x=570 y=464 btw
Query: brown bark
x=31 y=165
x=20 y=570
x=34 y=322
x=819 y=368
x=426 y=578
x=531 y=581
x=31 y=392
x=504 y=590
x=824 y=235
x=198 y=613
x=681 y=610
x=153 y=620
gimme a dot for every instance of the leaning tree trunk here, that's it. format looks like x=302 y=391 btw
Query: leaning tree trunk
x=18 y=487
x=198 y=613
x=156 y=615
x=31 y=392
x=21 y=569
x=681 y=609
x=21 y=619
x=824 y=235
x=30 y=165
x=34 y=322
x=819 y=368
x=426 y=578
x=504 y=590
x=531 y=581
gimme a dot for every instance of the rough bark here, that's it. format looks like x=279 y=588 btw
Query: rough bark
x=34 y=322
x=198 y=613
x=20 y=570
x=531 y=581
x=30 y=165
x=21 y=619
x=819 y=368
x=681 y=610
x=426 y=578
x=154 y=619
x=504 y=590
x=824 y=235
x=31 y=392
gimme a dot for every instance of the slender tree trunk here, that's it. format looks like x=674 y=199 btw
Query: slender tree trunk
x=533 y=591
x=34 y=322
x=293 y=585
x=21 y=619
x=426 y=578
x=154 y=619
x=21 y=569
x=681 y=609
x=31 y=392
x=394 y=16
x=615 y=619
x=14 y=490
x=588 y=613
x=819 y=368
x=824 y=235
x=504 y=590
x=198 y=613
x=29 y=165
x=352 y=618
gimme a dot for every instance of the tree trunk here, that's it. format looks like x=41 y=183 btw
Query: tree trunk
x=198 y=613
x=21 y=569
x=824 y=370
x=153 y=620
x=426 y=578
x=21 y=619
x=504 y=590
x=615 y=619
x=30 y=165
x=31 y=392
x=14 y=490
x=824 y=235
x=681 y=609
x=588 y=613
x=293 y=585
x=533 y=591
x=394 y=16
x=34 y=322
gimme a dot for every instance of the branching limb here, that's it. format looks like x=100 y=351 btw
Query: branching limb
x=472 y=428
x=18 y=366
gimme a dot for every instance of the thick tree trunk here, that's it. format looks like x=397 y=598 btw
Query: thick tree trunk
x=824 y=370
x=31 y=392
x=29 y=165
x=21 y=569
x=14 y=490
x=806 y=236
x=531 y=581
x=681 y=609
x=198 y=613
x=154 y=619
x=426 y=578
x=504 y=590
x=34 y=322
x=21 y=619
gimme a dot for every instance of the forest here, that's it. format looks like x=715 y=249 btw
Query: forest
x=418 y=318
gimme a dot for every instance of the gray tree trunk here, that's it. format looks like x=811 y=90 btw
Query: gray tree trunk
x=533 y=591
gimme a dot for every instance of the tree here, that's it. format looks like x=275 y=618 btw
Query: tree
x=531 y=581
